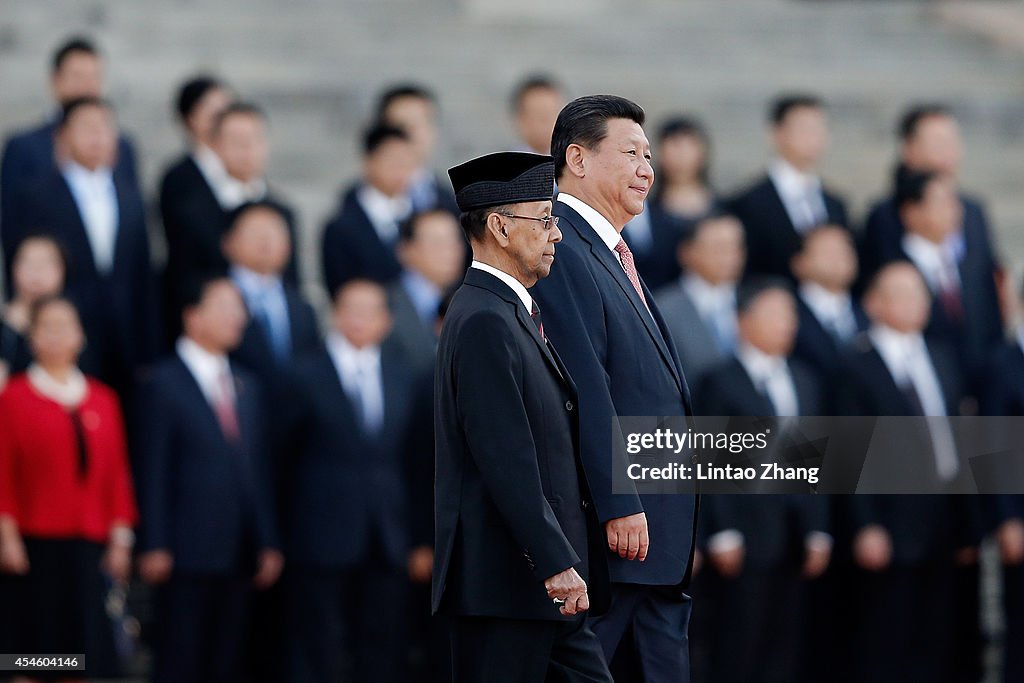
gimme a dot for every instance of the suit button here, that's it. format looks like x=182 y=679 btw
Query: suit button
x=569 y=406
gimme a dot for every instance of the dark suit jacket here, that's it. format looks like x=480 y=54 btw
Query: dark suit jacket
x=255 y=352
x=202 y=498
x=695 y=341
x=624 y=363
x=1004 y=394
x=510 y=489
x=728 y=390
x=658 y=263
x=118 y=310
x=417 y=340
x=350 y=488
x=27 y=157
x=353 y=249
x=771 y=238
x=815 y=346
x=194 y=224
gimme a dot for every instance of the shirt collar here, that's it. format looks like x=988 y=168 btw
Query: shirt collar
x=926 y=255
x=790 y=181
x=384 y=212
x=824 y=304
x=75 y=172
x=707 y=295
x=604 y=229
x=758 y=364
x=895 y=346
x=515 y=284
x=209 y=165
x=348 y=358
x=69 y=394
x=206 y=367
x=253 y=283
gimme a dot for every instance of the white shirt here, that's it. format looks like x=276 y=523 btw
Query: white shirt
x=383 y=211
x=229 y=191
x=800 y=193
x=716 y=305
x=96 y=198
x=360 y=373
x=832 y=310
x=208 y=369
x=515 y=284
x=771 y=375
x=936 y=262
x=604 y=229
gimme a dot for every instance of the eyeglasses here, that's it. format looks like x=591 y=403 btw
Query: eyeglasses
x=548 y=221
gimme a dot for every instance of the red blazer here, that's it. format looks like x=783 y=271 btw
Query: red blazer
x=39 y=480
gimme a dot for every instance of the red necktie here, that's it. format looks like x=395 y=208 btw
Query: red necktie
x=630 y=267
x=227 y=416
x=535 y=316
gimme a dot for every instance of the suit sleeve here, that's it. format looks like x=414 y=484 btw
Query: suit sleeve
x=120 y=491
x=338 y=264
x=155 y=471
x=571 y=303
x=489 y=400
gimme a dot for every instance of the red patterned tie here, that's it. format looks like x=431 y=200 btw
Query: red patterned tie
x=630 y=267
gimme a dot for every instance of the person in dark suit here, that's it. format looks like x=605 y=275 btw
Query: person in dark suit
x=76 y=71
x=680 y=199
x=98 y=216
x=903 y=547
x=620 y=353
x=360 y=240
x=413 y=108
x=965 y=305
x=208 y=532
x=432 y=251
x=198 y=197
x=535 y=103
x=830 y=317
x=700 y=308
x=763 y=548
x=354 y=402
x=512 y=564
x=930 y=141
x=790 y=199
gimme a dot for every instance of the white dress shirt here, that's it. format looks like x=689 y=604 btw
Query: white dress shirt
x=229 y=191
x=604 y=229
x=800 y=193
x=384 y=212
x=360 y=373
x=772 y=377
x=936 y=262
x=208 y=369
x=515 y=284
x=266 y=301
x=834 y=311
x=96 y=198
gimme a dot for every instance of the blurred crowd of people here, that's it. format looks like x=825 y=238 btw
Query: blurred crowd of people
x=260 y=473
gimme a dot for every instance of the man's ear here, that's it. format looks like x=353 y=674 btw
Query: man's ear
x=497 y=229
x=574 y=160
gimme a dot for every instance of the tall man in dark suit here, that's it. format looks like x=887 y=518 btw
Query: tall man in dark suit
x=790 y=199
x=208 y=531
x=512 y=562
x=354 y=400
x=359 y=241
x=620 y=353
x=763 y=548
x=76 y=71
x=99 y=217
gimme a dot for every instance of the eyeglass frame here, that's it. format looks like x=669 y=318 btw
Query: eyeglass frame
x=549 y=222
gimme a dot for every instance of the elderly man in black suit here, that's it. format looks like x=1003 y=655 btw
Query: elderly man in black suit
x=790 y=199
x=620 y=353
x=513 y=509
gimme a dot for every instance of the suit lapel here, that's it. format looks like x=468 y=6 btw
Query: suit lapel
x=81 y=248
x=531 y=328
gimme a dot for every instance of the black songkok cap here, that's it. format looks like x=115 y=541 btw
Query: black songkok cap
x=503 y=178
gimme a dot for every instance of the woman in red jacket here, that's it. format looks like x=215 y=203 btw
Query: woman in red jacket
x=66 y=501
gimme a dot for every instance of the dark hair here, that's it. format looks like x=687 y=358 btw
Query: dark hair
x=784 y=104
x=238 y=108
x=584 y=122
x=821 y=229
x=266 y=204
x=533 y=82
x=194 y=288
x=396 y=92
x=44 y=236
x=407 y=228
x=912 y=185
x=380 y=133
x=193 y=91
x=751 y=289
x=474 y=223
x=691 y=234
x=41 y=304
x=913 y=116
x=876 y=277
x=70 y=47
x=361 y=281
x=69 y=109
x=685 y=125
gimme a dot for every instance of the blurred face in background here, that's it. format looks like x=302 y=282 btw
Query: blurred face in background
x=899 y=299
x=436 y=251
x=938 y=214
x=390 y=167
x=935 y=145
x=417 y=116
x=801 y=138
x=717 y=253
x=38 y=270
x=241 y=143
x=200 y=120
x=89 y=137
x=79 y=75
x=769 y=323
x=535 y=117
x=218 y=321
x=361 y=313
x=56 y=335
x=681 y=158
x=259 y=241
x=827 y=258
